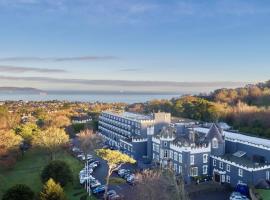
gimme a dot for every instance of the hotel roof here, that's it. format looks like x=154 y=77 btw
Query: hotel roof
x=131 y=116
x=239 y=137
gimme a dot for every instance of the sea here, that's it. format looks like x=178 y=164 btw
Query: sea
x=90 y=97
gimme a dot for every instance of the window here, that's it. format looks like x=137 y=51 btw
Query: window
x=165 y=144
x=192 y=159
x=215 y=143
x=221 y=165
x=240 y=172
x=228 y=179
x=180 y=169
x=205 y=169
x=171 y=154
x=180 y=157
x=175 y=156
x=268 y=175
x=205 y=158
x=214 y=162
x=228 y=168
x=165 y=154
x=194 y=171
x=175 y=167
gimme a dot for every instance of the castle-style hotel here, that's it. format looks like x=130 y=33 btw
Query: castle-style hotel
x=193 y=150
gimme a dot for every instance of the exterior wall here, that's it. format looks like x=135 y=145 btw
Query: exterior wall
x=232 y=147
x=139 y=150
x=250 y=177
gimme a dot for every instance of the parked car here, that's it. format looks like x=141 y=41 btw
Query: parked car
x=130 y=179
x=123 y=173
x=83 y=179
x=94 y=183
x=238 y=196
x=99 y=189
x=76 y=150
x=112 y=195
x=242 y=188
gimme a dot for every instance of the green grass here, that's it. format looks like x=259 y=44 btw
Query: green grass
x=116 y=181
x=28 y=169
x=265 y=194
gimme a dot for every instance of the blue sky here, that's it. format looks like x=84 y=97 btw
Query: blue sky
x=134 y=40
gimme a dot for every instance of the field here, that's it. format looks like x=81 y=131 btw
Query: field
x=265 y=194
x=28 y=169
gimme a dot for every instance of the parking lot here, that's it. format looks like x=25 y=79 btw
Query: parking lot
x=99 y=174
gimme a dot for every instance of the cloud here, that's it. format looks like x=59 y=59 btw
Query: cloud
x=129 y=70
x=56 y=59
x=123 y=82
x=17 y=69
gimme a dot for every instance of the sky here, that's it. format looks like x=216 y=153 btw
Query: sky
x=85 y=44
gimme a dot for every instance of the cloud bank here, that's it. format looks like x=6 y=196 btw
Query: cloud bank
x=17 y=69
x=56 y=59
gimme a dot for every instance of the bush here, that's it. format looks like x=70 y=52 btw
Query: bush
x=59 y=171
x=52 y=191
x=19 y=192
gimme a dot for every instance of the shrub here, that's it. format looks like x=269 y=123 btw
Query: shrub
x=19 y=192
x=59 y=171
x=52 y=191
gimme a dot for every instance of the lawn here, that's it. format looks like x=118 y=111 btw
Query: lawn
x=27 y=171
x=265 y=194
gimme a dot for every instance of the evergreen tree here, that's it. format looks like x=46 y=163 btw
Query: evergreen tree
x=52 y=191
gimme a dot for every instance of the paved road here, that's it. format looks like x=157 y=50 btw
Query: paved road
x=212 y=196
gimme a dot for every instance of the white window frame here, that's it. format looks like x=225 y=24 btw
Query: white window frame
x=192 y=159
x=267 y=175
x=228 y=168
x=228 y=179
x=175 y=167
x=175 y=156
x=214 y=162
x=171 y=154
x=194 y=171
x=221 y=165
x=205 y=169
x=240 y=172
x=180 y=158
x=214 y=143
x=165 y=154
x=180 y=169
x=205 y=158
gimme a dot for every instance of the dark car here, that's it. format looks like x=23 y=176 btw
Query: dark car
x=99 y=189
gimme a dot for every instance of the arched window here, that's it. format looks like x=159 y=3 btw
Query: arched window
x=215 y=143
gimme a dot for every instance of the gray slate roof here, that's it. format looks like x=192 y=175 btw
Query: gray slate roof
x=214 y=132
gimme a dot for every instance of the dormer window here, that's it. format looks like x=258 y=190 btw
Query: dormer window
x=215 y=143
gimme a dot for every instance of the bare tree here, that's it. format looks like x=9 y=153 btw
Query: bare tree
x=89 y=141
x=158 y=184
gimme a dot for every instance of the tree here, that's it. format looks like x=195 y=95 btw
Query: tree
x=27 y=131
x=58 y=171
x=158 y=184
x=52 y=191
x=52 y=139
x=19 y=192
x=115 y=159
x=8 y=141
x=88 y=141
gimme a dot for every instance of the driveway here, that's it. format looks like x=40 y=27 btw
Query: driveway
x=209 y=190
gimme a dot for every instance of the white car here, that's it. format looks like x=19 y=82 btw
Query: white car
x=94 y=183
x=238 y=196
x=85 y=178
